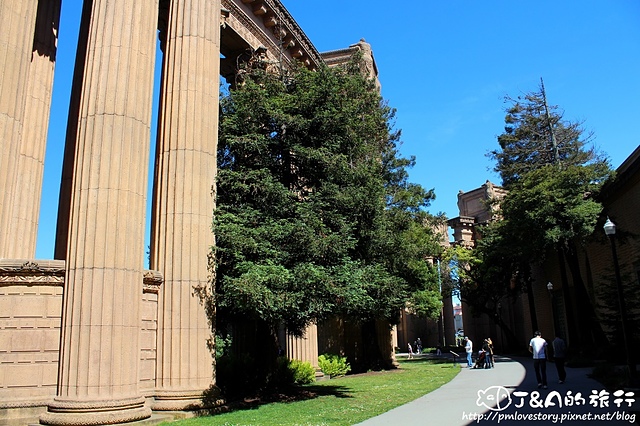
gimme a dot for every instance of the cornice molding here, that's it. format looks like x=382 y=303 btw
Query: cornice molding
x=276 y=10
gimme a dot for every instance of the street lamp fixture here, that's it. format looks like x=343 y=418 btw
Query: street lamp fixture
x=610 y=230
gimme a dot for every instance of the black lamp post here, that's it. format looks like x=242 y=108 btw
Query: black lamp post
x=610 y=230
x=553 y=307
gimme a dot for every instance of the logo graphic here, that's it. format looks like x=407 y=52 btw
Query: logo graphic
x=495 y=398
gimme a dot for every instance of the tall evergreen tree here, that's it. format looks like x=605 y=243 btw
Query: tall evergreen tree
x=535 y=134
x=315 y=216
x=553 y=176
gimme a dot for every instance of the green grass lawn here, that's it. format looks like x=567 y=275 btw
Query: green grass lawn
x=342 y=401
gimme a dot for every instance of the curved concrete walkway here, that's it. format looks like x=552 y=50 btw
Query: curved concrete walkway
x=460 y=402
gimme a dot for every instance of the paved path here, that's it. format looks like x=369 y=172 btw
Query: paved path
x=456 y=403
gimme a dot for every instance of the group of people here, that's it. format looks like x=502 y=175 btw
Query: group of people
x=485 y=354
x=417 y=345
x=539 y=348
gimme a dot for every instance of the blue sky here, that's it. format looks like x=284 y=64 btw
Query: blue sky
x=446 y=67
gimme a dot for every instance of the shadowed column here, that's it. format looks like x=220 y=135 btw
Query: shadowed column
x=100 y=344
x=183 y=202
x=30 y=169
x=17 y=20
x=304 y=348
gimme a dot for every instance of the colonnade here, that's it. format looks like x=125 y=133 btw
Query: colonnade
x=103 y=193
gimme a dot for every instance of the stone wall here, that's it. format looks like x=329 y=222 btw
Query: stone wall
x=30 y=317
x=30 y=307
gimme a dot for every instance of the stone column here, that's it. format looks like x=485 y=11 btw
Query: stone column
x=183 y=203
x=304 y=348
x=17 y=20
x=100 y=344
x=30 y=168
x=385 y=343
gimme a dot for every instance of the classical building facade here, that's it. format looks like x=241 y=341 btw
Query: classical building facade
x=476 y=208
x=92 y=337
x=552 y=305
x=432 y=333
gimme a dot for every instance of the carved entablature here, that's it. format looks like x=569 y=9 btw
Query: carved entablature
x=28 y=271
x=267 y=23
x=151 y=281
x=289 y=27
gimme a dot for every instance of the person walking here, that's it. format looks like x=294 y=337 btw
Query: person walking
x=410 y=350
x=487 y=346
x=559 y=356
x=468 y=347
x=538 y=347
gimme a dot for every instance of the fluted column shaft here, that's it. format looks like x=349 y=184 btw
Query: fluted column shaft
x=30 y=168
x=100 y=347
x=304 y=348
x=17 y=20
x=183 y=204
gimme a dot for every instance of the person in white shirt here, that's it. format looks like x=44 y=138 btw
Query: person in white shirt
x=538 y=347
x=468 y=347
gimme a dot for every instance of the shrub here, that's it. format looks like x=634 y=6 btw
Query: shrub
x=291 y=371
x=282 y=375
x=237 y=375
x=303 y=372
x=333 y=365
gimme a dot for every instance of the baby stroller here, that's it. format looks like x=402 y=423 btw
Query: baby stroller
x=481 y=361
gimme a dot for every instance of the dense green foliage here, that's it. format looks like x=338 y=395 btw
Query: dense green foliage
x=553 y=176
x=553 y=186
x=315 y=216
x=551 y=208
x=333 y=365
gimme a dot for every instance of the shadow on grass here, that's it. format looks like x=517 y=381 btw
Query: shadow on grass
x=214 y=404
x=289 y=394
x=424 y=360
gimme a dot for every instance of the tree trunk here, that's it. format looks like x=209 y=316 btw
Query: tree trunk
x=372 y=357
x=512 y=339
x=532 y=306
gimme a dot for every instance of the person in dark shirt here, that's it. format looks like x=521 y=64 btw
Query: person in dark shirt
x=559 y=356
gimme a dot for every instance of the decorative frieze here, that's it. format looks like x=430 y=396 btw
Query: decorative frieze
x=21 y=271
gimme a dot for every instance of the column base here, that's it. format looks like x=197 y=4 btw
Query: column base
x=187 y=400
x=96 y=412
